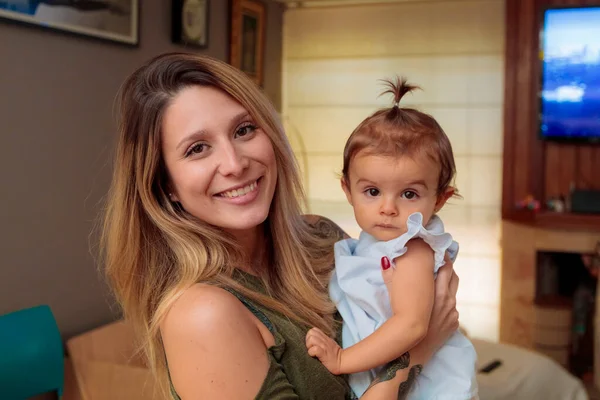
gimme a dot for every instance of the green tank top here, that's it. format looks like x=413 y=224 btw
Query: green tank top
x=293 y=374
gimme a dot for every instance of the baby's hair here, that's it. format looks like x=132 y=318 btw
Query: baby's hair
x=398 y=89
x=398 y=131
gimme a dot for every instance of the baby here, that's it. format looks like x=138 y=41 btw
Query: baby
x=398 y=173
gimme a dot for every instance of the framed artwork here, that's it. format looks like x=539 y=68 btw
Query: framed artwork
x=247 y=37
x=112 y=20
x=190 y=22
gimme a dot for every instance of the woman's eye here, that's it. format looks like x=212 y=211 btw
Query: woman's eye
x=372 y=192
x=245 y=130
x=196 y=149
x=409 y=195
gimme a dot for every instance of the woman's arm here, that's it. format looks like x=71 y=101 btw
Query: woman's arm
x=398 y=377
x=214 y=347
x=412 y=284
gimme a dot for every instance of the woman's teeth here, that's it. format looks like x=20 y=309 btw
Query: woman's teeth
x=240 y=192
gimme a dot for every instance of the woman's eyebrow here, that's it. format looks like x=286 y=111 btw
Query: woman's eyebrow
x=197 y=135
x=239 y=118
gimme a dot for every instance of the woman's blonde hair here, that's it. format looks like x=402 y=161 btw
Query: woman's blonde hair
x=154 y=250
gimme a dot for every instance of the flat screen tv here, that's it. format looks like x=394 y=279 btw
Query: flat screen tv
x=570 y=91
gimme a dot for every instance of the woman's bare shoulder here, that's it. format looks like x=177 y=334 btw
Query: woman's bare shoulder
x=202 y=303
x=325 y=226
x=213 y=344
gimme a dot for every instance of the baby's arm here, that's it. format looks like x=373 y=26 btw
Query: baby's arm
x=412 y=300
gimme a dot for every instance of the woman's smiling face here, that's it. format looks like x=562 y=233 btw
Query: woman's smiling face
x=221 y=166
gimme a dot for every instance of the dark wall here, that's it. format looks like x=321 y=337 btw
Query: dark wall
x=57 y=129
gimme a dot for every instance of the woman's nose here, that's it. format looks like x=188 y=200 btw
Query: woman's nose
x=232 y=162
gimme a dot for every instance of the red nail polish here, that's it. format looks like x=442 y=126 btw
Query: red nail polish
x=385 y=263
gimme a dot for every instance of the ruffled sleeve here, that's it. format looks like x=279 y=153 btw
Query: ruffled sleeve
x=433 y=234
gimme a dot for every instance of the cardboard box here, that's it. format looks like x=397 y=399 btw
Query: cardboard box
x=107 y=366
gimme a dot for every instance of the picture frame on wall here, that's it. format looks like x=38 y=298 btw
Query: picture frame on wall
x=248 y=26
x=111 y=20
x=190 y=19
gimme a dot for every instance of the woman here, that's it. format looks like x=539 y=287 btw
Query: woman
x=207 y=249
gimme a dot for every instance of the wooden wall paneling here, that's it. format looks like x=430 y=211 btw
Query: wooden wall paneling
x=536 y=151
x=568 y=164
x=589 y=167
x=510 y=96
x=531 y=165
x=523 y=107
x=560 y=169
x=552 y=170
x=585 y=171
x=594 y=172
x=595 y=184
x=573 y=2
x=568 y=167
x=585 y=167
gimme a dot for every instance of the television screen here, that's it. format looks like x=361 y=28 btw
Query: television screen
x=570 y=95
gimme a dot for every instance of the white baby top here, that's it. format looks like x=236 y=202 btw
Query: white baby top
x=361 y=297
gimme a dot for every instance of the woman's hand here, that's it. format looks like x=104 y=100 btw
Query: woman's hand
x=444 y=316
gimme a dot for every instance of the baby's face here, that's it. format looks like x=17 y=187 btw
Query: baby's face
x=385 y=190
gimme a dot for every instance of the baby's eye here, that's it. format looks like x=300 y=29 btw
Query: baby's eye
x=196 y=149
x=410 y=195
x=372 y=192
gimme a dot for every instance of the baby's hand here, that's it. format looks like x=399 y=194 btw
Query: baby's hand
x=325 y=349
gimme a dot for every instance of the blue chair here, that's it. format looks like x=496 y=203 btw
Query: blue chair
x=31 y=354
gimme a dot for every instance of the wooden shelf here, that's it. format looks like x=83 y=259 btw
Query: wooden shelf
x=554 y=220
